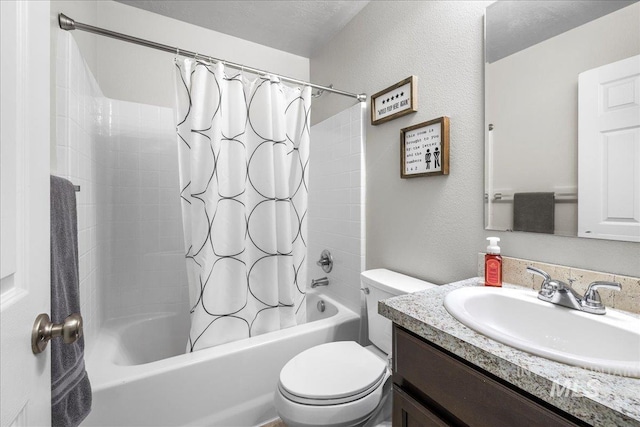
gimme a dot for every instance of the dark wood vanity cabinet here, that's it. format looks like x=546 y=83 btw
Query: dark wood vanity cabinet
x=432 y=387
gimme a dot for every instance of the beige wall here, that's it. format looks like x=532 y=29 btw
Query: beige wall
x=433 y=227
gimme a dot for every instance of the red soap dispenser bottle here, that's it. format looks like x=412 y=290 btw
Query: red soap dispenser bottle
x=493 y=263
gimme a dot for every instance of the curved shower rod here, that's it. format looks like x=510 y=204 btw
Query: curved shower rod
x=69 y=24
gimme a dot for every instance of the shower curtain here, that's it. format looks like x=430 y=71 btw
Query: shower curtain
x=243 y=153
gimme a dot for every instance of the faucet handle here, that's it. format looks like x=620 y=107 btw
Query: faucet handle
x=539 y=272
x=592 y=297
x=325 y=261
x=548 y=286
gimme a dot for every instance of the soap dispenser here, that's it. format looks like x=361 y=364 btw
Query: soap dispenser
x=493 y=263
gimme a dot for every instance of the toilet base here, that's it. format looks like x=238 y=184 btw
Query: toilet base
x=382 y=414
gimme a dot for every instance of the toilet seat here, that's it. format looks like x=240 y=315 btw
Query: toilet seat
x=331 y=401
x=332 y=374
x=336 y=384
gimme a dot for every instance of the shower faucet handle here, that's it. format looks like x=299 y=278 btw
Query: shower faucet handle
x=325 y=261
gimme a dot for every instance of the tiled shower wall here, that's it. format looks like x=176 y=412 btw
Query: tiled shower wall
x=124 y=158
x=148 y=270
x=336 y=202
x=82 y=160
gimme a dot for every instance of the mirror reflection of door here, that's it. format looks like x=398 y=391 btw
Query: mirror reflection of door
x=535 y=52
x=609 y=151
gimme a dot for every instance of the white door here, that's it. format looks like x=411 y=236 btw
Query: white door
x=25 y=382
x=609 y=151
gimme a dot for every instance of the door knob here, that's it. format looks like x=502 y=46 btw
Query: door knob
x=44 y=330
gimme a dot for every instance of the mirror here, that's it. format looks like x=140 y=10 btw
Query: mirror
x=542 y=107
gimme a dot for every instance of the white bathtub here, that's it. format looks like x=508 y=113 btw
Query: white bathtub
x=140 y=375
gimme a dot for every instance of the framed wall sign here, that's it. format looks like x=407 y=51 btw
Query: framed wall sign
x=395 y=101
x=424 y=149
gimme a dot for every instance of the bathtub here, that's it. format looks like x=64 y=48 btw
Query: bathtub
x=140 y=375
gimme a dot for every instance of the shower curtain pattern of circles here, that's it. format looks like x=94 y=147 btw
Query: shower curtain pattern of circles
x=243 y=148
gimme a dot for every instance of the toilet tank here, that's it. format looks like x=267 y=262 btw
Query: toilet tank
x=383 y=284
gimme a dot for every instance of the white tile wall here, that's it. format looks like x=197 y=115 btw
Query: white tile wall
x=123 y=156
x=79 y=159
x=336 y=202
x=147 y=270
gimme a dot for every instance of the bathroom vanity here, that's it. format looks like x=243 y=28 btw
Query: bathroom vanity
x=447 y=374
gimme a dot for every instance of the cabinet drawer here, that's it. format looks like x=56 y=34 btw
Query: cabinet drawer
x=409 y=413
x=469 y=395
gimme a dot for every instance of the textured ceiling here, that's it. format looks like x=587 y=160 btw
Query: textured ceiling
x=298 y=27
x=512 y=26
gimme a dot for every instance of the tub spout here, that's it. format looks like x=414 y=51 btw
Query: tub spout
x=323 y=281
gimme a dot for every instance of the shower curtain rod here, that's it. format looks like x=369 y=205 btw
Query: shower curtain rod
x=69 y=24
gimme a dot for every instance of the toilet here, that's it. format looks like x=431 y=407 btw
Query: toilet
x=343 y=383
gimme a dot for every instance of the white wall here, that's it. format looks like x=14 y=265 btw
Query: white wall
x=122 y=154
x=134 y=73
x=82 y=160
x=533 y=104
x=83 y=11
x=145 y=246
x=336 y=199
x=432 y=227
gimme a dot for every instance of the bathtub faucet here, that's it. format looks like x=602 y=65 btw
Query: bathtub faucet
x=323 y=281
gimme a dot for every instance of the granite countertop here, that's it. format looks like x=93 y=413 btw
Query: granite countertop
x=594 y=397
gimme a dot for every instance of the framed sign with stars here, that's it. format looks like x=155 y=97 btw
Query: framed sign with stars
x=395 y=101
x=424 y=149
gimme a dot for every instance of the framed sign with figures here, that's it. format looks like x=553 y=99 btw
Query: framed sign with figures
x=424 y=149
x=395 y=101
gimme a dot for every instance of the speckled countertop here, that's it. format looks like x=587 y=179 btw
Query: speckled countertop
x=599 y=399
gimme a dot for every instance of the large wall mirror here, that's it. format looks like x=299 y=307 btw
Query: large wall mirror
x=562 y=115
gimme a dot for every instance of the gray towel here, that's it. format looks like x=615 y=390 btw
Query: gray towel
x=70 y=387
x=534 y=212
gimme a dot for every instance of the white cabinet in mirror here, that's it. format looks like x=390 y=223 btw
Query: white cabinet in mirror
x=539 y=121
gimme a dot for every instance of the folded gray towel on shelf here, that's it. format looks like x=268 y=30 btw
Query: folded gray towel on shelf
x=70 y=387
x=534 y=212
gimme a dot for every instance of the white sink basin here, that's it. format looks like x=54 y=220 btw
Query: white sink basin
x=607 y=343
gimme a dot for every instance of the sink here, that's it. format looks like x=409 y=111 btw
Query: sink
x=607 y=343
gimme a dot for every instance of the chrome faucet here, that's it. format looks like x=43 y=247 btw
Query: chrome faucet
x=326 y=261
x=560 y=293
x=323 y=281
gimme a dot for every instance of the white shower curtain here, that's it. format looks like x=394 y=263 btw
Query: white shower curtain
x=244 y=152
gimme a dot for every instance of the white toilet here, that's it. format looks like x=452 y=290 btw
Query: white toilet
x=341 y=383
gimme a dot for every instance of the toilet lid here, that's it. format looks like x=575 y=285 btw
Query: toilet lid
x=332 y=372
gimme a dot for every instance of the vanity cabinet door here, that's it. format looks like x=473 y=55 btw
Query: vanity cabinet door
x=409 y=413
x=463 y=393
